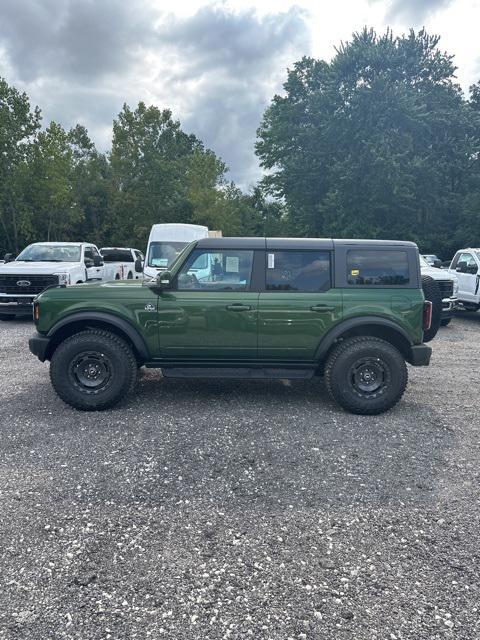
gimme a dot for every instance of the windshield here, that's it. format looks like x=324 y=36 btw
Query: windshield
x=163 y=254
x=50 y=253
x=423 y=262
x=116 y=255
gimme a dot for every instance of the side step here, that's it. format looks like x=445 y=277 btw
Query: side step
x=249 y=373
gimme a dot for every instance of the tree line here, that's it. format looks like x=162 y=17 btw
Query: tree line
x=380 y=142
x=55 y=184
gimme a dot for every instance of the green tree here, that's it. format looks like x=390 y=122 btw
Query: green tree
x=92 y=185
x=379 y=142
x=18 y=127
x=159 y=173
x=51 y=193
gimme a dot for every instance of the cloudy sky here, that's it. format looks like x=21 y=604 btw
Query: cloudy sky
x=215 y=64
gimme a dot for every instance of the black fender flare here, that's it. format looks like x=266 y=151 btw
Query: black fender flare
x=107 y=318
x=351 y=323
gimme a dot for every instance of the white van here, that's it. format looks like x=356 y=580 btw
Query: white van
x=165 y=243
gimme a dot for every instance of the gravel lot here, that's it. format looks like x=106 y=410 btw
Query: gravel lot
x=225 y=509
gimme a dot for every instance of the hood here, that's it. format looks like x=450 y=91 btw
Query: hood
x=438 y=274
x=40 y=268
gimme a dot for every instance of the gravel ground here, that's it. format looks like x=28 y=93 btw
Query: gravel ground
x=226 y=509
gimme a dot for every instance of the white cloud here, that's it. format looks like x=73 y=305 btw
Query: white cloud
x=216 y=64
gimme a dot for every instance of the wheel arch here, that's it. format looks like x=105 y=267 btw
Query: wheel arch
x=366 y=326
x=80 y=321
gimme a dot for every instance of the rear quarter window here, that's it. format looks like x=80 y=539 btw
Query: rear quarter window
x=377 y=268
x=115 y=255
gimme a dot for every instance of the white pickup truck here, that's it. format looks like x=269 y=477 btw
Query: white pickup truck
x=128 y=261
x=44 y=264
x=466 y=266
x=448 y=285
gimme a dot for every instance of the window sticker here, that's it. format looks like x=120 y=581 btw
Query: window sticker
x=271 y=261
x=232 y=264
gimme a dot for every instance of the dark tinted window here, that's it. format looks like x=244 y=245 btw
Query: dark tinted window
x=298 y=271
x=117 y=255
x=381 y=268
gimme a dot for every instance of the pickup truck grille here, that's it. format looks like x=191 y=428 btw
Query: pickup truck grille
x=36 y=284
x=446 y=288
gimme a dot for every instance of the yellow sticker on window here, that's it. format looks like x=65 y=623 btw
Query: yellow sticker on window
x=355 y=272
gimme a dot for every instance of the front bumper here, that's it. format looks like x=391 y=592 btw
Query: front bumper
x=420 y=355
x=38 y=345
x=448 y=307
x=16 y=306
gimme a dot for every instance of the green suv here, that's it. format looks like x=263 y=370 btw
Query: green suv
x=350 y=310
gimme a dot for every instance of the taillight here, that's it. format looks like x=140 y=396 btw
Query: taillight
x=36 y=311
x=427 y=315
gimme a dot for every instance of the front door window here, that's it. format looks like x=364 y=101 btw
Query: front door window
x=208 y=270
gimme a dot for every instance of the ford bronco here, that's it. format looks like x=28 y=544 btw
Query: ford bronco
x=350 y=310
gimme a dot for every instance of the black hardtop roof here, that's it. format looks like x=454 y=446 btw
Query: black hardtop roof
x=296 y=243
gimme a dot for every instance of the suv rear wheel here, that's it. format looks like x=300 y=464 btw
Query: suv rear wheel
x=93 y=370
x=366 y=375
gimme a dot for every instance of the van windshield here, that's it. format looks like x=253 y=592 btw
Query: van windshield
x=163 y=254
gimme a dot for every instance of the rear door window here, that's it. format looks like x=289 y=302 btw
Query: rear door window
x=377 y=268
x=307 y=271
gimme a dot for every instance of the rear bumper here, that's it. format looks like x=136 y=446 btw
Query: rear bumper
x=38 y=345
x=420 y=355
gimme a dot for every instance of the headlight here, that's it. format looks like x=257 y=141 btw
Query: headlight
x=63 y=278
x=455 y=286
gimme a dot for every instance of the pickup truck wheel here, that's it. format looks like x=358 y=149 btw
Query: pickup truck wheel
x=366 y=375
x=431 y=291
x=6 y=317
x=93 y=370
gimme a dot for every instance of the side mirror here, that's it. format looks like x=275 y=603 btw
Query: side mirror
x=138 y=265
x=8 y=257
x=437 y=264
x=164 y=280
x=97 y=261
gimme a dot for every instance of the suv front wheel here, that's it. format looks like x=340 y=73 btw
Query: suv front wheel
x=93 y=370
x=366 y=375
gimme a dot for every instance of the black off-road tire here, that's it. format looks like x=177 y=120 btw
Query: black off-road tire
x=445 y=322
x=7 y=317
x=93 y=347
x=432 y=292
x=365 y=353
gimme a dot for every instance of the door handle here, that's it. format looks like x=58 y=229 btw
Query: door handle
x=322 y=308
x=238 y=307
